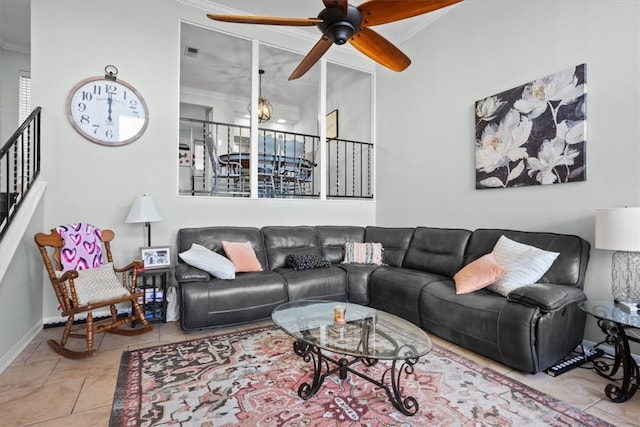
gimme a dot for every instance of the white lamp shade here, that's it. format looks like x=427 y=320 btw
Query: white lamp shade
x=618 y=229
x=143 y=210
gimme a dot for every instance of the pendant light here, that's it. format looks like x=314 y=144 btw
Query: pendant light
x=264 y=107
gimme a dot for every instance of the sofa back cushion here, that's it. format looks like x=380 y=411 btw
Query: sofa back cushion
x=212 y=237
x=395 y=242
x=568 y=269
x=281 y=241
x=437 y=250
x=333 y=238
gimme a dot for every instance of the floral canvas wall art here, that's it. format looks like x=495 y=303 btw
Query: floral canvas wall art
x=533 y=134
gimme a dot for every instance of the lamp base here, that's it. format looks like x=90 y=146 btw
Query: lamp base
x=625 y=272
x=631 y=307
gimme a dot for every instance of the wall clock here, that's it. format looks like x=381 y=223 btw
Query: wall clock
x=107 y=111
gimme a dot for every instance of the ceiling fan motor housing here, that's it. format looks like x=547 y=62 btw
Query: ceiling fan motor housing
x=338 y=26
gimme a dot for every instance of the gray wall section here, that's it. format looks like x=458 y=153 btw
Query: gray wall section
x=426 y=128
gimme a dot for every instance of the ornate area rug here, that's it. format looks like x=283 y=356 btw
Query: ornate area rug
x=251 y=378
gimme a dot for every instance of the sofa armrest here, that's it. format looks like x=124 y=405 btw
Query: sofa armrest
x=547 y=297
x=187 y=273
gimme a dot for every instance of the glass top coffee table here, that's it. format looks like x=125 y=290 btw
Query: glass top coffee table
x=367 y=335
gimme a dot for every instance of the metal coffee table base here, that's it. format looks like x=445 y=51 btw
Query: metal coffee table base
x=407 y=405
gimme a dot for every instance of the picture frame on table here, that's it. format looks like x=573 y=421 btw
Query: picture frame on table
x=332 y=125
x=155 y=257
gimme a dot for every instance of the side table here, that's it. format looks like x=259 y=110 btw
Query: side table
x=153 y=282
x=613 y=320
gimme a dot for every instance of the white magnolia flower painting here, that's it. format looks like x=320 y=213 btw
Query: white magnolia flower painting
x=533 y=134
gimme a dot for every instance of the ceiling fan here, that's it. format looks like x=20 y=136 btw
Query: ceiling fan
x=340 y=22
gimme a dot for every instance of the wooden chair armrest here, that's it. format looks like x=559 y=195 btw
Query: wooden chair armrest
x=66 y=287
x=67 y=275
x=132 y=265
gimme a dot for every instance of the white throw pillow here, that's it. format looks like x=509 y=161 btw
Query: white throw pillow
x=525 y=264
x=204 y=259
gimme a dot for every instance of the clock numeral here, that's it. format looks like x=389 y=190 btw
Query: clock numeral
x=86 y=96
x=133 y=104
x=97 y=90
x=95 y=129
x=84 y=119
x=112 y=89
x=82 y=106
x=109 y=134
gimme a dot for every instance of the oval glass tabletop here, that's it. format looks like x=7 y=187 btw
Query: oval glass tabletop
x=609 y=310
x=367 y=332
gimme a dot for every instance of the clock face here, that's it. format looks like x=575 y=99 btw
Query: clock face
x=107 y=112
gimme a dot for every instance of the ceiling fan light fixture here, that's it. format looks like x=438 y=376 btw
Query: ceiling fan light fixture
x=340 y=32
x=339 y=26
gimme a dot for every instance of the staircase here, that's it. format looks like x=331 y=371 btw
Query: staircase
x=19 y=168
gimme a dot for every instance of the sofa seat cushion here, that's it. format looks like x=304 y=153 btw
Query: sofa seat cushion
x=323 y=283
x=483 y=322
x=358 y=281
x=474 y=315
x=397 y=291
x=249 y=297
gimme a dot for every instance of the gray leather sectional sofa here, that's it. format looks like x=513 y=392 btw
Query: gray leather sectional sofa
x=531 y=329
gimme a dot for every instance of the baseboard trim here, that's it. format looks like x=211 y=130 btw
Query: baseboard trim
x=99 y=314
x=15 y=351
x=608 y=350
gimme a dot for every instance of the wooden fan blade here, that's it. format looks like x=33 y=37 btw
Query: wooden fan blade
x=265 y=20
x=380 y=49
x=376 y=12
x=316 y=52
x=341 y=4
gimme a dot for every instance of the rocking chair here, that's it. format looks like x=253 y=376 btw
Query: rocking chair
x=82 y=283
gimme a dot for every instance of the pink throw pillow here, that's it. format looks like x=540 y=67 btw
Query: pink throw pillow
x=242 y=256
x=478 y=274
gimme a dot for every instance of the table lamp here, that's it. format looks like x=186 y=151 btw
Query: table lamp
x=144 y=210
x=618 y=229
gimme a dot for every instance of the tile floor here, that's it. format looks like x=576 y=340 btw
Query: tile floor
x=41 y=388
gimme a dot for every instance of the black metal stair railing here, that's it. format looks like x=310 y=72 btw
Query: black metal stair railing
x=19 y=168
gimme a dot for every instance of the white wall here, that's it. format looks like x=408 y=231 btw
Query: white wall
x=73 y=40
x=425 y=118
